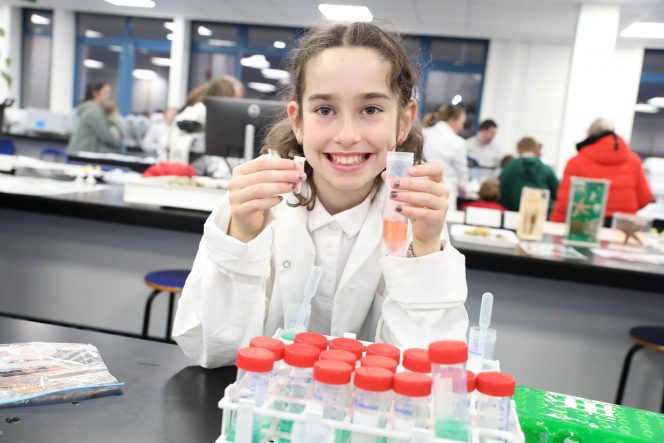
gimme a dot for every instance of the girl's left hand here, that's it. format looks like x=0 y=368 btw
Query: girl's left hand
x=426 y=201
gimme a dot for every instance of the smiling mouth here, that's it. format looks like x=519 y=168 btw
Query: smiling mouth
x=347 y=159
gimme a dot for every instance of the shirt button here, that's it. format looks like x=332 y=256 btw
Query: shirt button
x=286 y=264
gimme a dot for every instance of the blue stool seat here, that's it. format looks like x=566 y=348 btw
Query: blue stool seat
x=171 y=282
x=51 y=151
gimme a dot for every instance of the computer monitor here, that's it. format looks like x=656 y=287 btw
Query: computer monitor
x=226 y=125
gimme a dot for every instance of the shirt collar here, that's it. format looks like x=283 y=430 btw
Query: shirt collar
x=350 y=220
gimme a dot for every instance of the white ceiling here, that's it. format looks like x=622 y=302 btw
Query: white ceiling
x=526 y=20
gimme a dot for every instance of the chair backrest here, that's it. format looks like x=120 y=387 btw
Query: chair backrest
x=7 y=147
x=57 y=154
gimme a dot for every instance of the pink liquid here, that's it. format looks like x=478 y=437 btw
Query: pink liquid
x=394 y=233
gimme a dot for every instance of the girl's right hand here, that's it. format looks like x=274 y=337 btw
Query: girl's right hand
x=254 y=189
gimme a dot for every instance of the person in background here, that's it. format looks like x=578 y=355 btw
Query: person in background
x=443 y=145
x=481 y=147
x=156 y=139
x=489 y=196
x=527 y=170
x=98 y=128
x=429 y=119
x=604 y=154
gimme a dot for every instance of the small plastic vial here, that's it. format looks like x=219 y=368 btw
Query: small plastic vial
x=332 y=387
x=450 y=388
x=277 y=348
x=348 y=344
x=312 y=338
x=417 y=360
x=471 y=380
x=371 y=400
x=395 y=225
x=385 y=350
x=411 y=401
x=339 y=355
x=494 y=400
x=380 y=362
x=299 y=384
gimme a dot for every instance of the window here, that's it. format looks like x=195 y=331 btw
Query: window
x=648 y=133
x=36 y=85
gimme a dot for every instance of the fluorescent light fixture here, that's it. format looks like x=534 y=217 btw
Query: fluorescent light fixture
x=169 y=36
x=37 y=19
x=656 y=101
x=262 y=87
x=169 y=25
x=646 y=108
x=132 y=3
x=204 y=32
x=457 y=99
x=345 y=13
x=160 y=61
x=144 y=74
x=93 y=64
x=257 y=61
x=644 y=30
x=115 y=48
x=217 y=42
x=89 y=33
x=275 y=74
x=279 y=44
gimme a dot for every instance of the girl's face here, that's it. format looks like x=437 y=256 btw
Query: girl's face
x=103 y=96
x=350 y=118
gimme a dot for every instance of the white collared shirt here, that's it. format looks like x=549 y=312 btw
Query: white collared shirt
x=334 y=237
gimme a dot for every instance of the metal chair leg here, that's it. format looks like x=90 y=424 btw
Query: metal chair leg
x=146 y=313
x=625 y=372
x=169 y=322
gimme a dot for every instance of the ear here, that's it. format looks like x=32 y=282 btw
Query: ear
x=295 y=120
x=408 y=117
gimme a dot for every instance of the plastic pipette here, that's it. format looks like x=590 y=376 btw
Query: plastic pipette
x=485 y=320
x=309 y=291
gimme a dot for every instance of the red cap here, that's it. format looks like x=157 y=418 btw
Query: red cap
x=312 y=338
x=339 y=355
x=269 y=343
x=332 y=372
x=412 y=384
x=348 y=344
x=448 y=352
x=471 y=380
x=380 y=362
x=497 y=384
x=417 y=360
x=254 y=360
x=301 y=355
x=372 y=378
x=384 y=349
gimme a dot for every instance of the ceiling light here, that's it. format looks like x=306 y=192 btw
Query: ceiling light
x=257 y=61
x=169 y=25
x=144 y=74
x=279 y=44
x=262 y=87
x=457 y=99
x=217 y=42
x=646 y=108
x=93 y=64
x=275 y=74
x=644 y=30
x=204 y=32
x=160 y=61
x=656 y=101
x=89 y=33
x=169 y=36
x=132 y=3
x=115 y=48
x=37 y=19
x=346 y=13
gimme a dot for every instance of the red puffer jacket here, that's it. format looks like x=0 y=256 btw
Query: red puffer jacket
x=610 y=158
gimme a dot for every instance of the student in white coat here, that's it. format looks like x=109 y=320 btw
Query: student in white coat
x=351 y=102
x=443 y=145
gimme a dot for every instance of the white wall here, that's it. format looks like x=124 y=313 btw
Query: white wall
x=10 y=45
x=62 y=60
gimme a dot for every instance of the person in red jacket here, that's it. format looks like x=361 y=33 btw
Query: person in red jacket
x=604 y=154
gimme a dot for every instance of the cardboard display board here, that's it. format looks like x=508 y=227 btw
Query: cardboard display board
x=585 y=210
x=533 y=208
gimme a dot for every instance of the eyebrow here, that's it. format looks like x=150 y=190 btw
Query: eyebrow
x=366 y=96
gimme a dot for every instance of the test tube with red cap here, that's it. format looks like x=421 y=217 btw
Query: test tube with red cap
x=277 y=348
x=348 y=344
x=371 y=400
x=332 y=387
x=299 y=384
x=411 y=401
x=494 y=400
x=384 y=350
x=417 y=360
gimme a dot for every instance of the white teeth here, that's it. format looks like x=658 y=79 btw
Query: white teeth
x=347 y=160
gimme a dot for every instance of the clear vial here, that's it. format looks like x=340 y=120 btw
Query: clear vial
x=385 y=350
x=395 y=225
x=380 y=362
x=351 y=345
x=417 y=360
x=277 y=348
x=339 y=355
x=313 y=339
x=372 y=400
x=450 y=388
x=332 y=388
x=411 y=401
x=494 y=401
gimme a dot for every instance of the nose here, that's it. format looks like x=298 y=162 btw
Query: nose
x=348 y=134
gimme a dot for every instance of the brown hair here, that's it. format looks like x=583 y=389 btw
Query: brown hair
x=490 y=190
x=429 y=119
x=450 y=112
x=224 y=86
x=527 y=144
x=402 y=81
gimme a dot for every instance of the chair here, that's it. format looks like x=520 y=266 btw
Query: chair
x=7 y=147
x=172 y=282
x=650 y=337
x=56 y=154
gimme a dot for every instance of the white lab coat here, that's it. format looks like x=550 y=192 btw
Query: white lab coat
x=237 y=291
x=442 y=145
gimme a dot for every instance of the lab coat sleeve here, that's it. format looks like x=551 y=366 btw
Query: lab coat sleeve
x=460 y=165
x=223 y=303
x=424 y=299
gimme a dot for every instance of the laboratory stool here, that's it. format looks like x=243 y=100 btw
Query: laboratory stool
x=651 y=337
x=171 y=282
x=7 y=147
x=56 y=154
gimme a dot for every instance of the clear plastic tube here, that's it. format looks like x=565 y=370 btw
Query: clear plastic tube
x=494 y=401
x=372 y=399
x=411 y=401
x=395 y=225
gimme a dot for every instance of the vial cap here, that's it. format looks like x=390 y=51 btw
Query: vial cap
x=312 y=338
x=301 y=355
x=333 y=372
x=348 y=344
x=448 y=352
x=412 y=385
x=384 y=349
x=496 y=384
x=339 y=355
x=254 y=360
x=372 y=378
x=471 y=380
x=417 y=360
x=380 y=362
x=271 y=344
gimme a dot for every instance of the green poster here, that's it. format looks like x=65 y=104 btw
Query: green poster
x=585 y=210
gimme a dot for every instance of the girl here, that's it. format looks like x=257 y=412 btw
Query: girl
x=351 y=103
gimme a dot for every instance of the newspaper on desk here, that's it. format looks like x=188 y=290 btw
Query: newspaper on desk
x=37 y=372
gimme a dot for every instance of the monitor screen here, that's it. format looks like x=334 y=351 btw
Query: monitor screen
x=226 y=119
